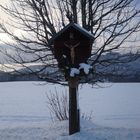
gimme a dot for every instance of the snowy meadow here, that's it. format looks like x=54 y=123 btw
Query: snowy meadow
x=24 y=114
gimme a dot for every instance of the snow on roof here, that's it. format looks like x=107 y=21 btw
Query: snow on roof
x=75 y=26
x=87 y=33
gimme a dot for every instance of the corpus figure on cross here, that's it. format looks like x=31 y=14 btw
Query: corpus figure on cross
x=72 y=48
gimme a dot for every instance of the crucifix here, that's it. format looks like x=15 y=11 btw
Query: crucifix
x=72 y=50
x=72 y=47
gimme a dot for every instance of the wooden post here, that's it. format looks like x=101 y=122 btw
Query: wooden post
x=74 y=117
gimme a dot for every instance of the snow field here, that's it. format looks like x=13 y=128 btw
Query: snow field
x=24 y=114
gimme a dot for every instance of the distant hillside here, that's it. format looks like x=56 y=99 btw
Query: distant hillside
x=127 y=72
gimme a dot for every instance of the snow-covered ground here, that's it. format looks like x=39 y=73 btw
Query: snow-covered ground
x=24 y=114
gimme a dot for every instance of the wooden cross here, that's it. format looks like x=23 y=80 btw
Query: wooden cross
x=72 y=50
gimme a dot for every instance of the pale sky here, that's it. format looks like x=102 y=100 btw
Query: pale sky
x=2 y=14
x=4 y=1
x=3 y=17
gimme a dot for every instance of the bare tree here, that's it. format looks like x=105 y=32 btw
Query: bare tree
x=114 y=23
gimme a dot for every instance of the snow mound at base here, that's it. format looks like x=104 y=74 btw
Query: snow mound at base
x=59 y=131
